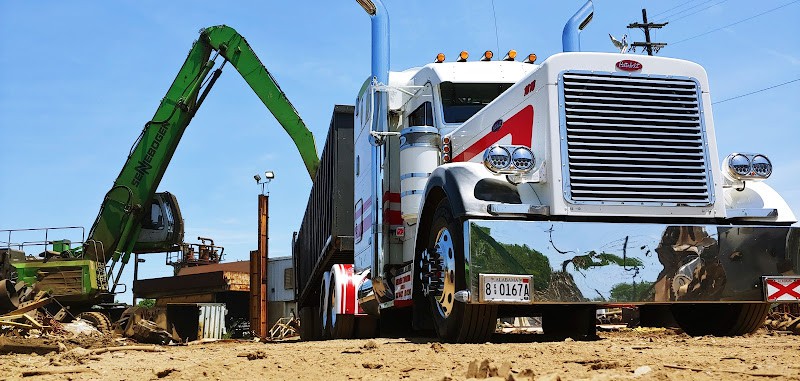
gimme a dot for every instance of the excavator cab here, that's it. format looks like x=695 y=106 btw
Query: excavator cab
x=161 y=226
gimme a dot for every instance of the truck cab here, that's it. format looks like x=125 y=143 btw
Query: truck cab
x=489 y=188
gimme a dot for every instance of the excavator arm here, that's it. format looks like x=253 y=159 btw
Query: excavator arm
x=116 y=229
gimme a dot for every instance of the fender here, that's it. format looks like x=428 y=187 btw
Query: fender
x=344 y=283
x=758 y=195
x=469 y=187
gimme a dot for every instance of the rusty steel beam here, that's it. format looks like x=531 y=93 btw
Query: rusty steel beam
x=258 y=272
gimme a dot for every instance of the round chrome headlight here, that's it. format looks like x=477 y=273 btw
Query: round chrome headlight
x=762 y=167
x=739 y=165
x=522 y=158
x=496 y=159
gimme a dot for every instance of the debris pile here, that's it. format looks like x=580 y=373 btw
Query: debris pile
x=29 y=317
x=783 y=321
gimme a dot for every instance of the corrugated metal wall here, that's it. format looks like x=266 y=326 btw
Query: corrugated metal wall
x=276 y=271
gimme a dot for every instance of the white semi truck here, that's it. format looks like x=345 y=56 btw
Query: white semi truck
x=489 y=188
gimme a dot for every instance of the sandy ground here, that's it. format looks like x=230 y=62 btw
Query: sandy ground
x=642 y=354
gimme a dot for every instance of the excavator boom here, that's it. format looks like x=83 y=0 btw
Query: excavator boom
x=116 y=229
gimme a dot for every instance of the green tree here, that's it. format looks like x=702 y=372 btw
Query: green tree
x=631 y=292
x=508 y=258
x=595 y=259
x=146 y=303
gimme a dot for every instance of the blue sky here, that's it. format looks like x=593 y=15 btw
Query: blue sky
x=79 y=79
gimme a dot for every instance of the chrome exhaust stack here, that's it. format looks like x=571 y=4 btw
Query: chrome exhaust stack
x=373 y=290
x=570 y=37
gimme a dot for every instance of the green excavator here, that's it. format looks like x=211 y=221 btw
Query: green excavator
x=133 y=218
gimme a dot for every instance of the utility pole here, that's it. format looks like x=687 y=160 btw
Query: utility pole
x=646 y=26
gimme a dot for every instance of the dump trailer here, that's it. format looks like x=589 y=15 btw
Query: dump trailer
x=325 y=237
x=489 y=188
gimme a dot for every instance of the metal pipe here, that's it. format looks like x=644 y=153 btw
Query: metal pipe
x=570 y=37
x=379 y=18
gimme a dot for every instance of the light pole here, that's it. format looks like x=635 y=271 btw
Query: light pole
x=136 y=262
x=258 y=261
x=268 y=176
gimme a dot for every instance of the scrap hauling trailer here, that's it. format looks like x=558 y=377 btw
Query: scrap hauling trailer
x=495 y=188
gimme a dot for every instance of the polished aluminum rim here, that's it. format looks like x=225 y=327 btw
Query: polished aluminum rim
x=445 y=252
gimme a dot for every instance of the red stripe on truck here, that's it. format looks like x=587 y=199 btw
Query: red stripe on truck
x=519 y=126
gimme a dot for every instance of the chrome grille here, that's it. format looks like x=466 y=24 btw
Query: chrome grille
x=633 y=140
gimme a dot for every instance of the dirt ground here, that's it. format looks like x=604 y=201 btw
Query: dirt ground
x=642 y=354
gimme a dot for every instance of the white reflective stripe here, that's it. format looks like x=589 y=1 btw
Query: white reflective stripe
x=414 y=174
x=411 y=192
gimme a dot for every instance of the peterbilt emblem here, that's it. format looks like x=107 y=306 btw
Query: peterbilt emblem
x=629 y=65
x=497 y=124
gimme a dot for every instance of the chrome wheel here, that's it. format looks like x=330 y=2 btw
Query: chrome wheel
x=442 y=272
x=438 y=272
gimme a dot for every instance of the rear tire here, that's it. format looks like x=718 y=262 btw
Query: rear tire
x=366 y=327
x=341 y=326
x=310 y=326
x=719 y=319
x=99 y=320
x=455 y=321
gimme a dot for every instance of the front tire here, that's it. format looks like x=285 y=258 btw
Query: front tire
x=445 y=274
x=719 y=319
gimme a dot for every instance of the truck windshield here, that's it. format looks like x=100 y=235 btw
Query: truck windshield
x=460 y=101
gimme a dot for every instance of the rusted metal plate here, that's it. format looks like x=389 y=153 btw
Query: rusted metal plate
x=217 y=281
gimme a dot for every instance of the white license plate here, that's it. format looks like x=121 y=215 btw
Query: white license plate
x=506 y=288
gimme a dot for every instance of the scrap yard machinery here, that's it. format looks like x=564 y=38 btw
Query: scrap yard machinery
x=133 y=218
x=464 y=191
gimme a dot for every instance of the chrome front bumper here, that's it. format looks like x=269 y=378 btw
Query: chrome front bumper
x=579 y=262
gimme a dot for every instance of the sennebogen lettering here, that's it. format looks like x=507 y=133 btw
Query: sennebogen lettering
x=144 y=166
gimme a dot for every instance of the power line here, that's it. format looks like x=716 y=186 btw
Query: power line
x=732 y=24
x=677 y=6
x=757 y=91
x=697 y=11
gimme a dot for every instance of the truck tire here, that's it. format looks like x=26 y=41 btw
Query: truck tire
x=454 y=321
x=99 y=320
x=576 y=321
x=310 y=326
x=341 y=326
x=720 y=319
x=366 y=327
